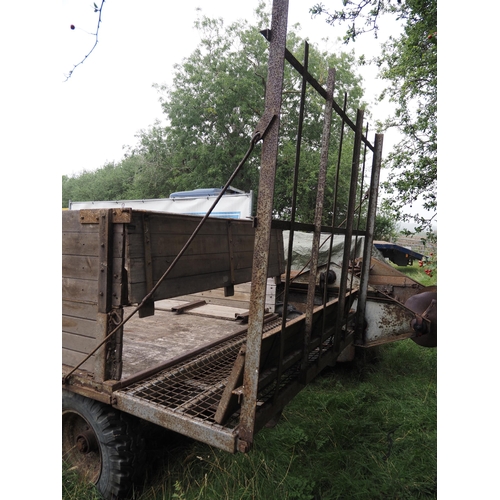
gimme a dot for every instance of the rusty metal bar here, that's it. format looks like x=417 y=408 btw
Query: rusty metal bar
x=337 y=174
x=334 y=206
x=362 y=198
x=293 y=212
x=309 y=228
x=269 y=155
x=320 y=195
x=317 y=86
x=209 y=433
x=370 y=230
x=350 y=218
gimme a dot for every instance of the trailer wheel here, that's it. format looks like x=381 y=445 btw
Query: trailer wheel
x=100 y=443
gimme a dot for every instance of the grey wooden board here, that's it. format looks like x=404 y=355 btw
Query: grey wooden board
x=205 y=310
x=150 y=341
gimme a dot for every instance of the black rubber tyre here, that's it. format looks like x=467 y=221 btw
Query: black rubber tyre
x=101 y=443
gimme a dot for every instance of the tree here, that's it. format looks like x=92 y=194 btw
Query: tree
x=110 y=182
x=216 y=100
x=211 y=109
x=409 y=65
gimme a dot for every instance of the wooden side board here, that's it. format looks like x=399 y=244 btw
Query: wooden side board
x=80 y=268
x=220 y=255
x=109 y=262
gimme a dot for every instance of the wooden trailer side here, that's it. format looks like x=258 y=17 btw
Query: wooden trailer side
x=221 y=254
x=92 y=283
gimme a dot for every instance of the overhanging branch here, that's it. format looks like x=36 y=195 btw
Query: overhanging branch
x=96 y=35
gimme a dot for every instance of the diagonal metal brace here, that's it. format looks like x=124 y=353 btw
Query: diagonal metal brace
x=263 y=126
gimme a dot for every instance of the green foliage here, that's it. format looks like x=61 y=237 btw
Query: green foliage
x=211 y=109
x=217 y=98
x=73 y=488
x=417 y=273
x=385 y=227
x=409 y=66
x=110 y=182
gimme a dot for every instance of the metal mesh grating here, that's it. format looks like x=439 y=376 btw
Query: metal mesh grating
x=194 y=388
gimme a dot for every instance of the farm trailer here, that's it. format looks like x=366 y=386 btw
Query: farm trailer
x=134 y=348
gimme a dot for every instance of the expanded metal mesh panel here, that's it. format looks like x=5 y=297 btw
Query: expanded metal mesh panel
x=195 y=387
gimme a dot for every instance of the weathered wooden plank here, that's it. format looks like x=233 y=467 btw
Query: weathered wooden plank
x=168 y=245
x=228 y=402
x=79 y=310
x=244 y=242
x=186 y=224
x=79 y=290
x=72 y=358
x=104 y=277
x=217 y=311
x=79 y=326
x=80 y=266
x=240 y=299
x=186 y=285
x=78 y=343
x=71 y=223
x=153 y=340
x=80 y=244
x=197 y=265
x=187 y=265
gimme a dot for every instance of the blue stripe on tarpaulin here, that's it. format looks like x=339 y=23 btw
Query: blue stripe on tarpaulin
x=225 y=215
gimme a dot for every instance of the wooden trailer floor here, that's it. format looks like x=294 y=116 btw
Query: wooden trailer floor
x=154 y=340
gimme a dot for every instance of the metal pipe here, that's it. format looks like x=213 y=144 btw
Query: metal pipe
x=294 y=209
x=320 y=195
x=350 y=218
x=370 y=230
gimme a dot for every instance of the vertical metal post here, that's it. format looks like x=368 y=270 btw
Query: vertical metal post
x=350 y=219
x=320 y=194
x=263 y=220
x=370 y=229
x=293 y=212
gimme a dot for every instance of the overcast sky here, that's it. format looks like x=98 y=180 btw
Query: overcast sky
x=110 y=97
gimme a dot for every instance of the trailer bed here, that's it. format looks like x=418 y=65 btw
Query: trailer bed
x=150 y=341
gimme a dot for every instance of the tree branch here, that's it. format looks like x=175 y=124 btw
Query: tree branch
x=96 y=34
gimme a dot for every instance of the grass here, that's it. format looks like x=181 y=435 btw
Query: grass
x=417 y=273
x=364 y=430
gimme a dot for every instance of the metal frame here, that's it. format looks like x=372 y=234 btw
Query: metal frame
x=253 y=361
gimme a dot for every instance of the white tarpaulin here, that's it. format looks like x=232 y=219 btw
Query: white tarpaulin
x=232 y=206
x=302 y=247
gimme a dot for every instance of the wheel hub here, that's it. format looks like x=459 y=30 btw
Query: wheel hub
x=80 y=446
x=86 y=442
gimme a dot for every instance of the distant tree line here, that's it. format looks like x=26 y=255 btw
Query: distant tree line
x=211 y=109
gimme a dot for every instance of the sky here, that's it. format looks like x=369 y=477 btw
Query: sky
x=110 y=96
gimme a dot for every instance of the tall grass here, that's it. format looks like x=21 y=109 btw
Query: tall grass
x=363 y=430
